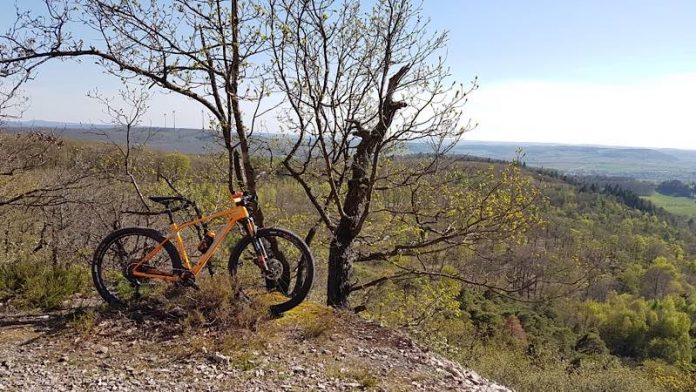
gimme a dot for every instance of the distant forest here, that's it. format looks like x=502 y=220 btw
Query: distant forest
x=617 y=163
x=676 y=188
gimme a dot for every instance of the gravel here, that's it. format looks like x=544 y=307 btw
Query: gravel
x=121 y=355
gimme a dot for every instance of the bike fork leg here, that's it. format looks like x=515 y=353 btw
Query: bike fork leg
x=261 y=254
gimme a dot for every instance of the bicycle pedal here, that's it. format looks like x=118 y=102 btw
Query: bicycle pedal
x=190 y=283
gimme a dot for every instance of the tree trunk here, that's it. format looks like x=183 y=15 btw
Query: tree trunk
x=340 y=266
x=356 y=200
x=249 y=174
x=340 y=249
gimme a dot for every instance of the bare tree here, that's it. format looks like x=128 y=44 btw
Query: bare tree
x=359 y=86
x=126 y=117
x=13 y=75
x=204 y=50
x=11 y=100
x=23 y=180
x=55 y=204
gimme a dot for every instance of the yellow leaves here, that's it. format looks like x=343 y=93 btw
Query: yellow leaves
x=176 y=164
x=259 y=10
x=670 y=377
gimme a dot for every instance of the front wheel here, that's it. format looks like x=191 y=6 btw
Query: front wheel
x=290 y=264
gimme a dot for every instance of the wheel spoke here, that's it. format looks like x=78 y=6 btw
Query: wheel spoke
x=286 y=283
x=117 y=260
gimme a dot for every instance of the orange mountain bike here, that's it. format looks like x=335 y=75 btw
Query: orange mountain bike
x=134 y=263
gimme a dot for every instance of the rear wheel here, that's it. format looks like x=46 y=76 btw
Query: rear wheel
x=117 y=256
x=291 y=268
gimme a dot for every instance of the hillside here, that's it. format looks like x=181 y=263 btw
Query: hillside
x=580 y=290
x=324 y=220
x=191 y=141
x=312 y=348
x=641 y=163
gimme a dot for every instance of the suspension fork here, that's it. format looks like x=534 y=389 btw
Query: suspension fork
x=259 y=248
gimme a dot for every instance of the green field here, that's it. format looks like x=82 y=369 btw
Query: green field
x=676 y=205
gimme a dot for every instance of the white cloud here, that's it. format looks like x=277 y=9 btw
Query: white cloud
x=650 y=113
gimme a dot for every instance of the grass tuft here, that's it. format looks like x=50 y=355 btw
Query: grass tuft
x=359 y=374
x=311 y=319
x=84 y=323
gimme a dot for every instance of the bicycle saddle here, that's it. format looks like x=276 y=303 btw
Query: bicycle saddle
x=166 y=200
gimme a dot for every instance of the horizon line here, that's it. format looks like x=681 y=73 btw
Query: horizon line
x=73 y=125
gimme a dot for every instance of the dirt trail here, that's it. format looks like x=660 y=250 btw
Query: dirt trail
x=309 y=349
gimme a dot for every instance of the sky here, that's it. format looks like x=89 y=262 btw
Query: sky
x=620 y=72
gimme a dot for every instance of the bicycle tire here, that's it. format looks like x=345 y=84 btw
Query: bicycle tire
x=101 y=285
x=306 y=263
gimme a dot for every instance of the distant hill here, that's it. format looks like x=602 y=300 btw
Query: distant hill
x=642 y=163
x=192 y=141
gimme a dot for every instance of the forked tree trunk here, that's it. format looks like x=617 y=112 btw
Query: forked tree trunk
x=356 y=201
x=354 y=205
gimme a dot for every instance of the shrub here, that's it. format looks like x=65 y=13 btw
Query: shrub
x=591 y=343
x=644 y=329
x=84 y=323
x=33 y=285
x=669 y=377
x=215 y=305
x=515 y=369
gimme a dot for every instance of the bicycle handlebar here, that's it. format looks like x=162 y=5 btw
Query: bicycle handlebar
x=246 y=199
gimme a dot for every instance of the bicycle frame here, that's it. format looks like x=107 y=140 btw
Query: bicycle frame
x=234 y=215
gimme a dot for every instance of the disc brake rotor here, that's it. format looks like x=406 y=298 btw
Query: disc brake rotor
x=275 y=269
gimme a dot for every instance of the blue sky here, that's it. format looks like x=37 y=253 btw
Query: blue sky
x=602 y=41
x=613 y=72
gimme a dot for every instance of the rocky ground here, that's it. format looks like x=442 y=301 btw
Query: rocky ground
x=311 y=348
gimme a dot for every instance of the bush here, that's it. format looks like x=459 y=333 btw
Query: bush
x=644 y=329
x=669 y=377
x=215 y=306
x=422 y=305
x=84 y=323
x=591 y=343
x=33 y=285
x=548 y=372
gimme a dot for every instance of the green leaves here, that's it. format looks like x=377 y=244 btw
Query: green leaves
x=644 y=329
